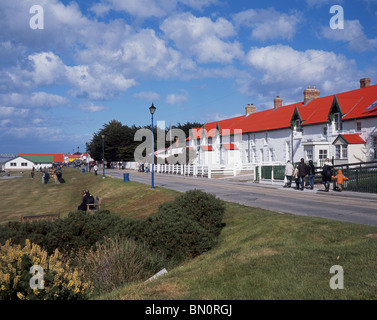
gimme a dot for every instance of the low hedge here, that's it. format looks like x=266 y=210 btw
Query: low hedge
x=181 y=229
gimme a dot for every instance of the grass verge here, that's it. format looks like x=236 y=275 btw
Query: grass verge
x=260 y=254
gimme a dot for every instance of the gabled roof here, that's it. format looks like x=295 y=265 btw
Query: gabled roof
x=359 y=103
x=350 y=139
x=55 y=157
x=39 y=158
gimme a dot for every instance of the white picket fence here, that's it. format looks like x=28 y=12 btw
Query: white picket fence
x=195 y=170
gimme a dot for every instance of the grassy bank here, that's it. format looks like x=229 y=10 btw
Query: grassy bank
x=260 y=254
x=265 y=255
x=27 y=196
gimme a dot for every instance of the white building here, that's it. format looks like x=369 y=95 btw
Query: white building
x=28 y=162
x=342 y=127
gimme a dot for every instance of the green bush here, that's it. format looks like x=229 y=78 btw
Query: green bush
x=183 y=228
x=203 y=207
x=117 y=262
x=79 y=230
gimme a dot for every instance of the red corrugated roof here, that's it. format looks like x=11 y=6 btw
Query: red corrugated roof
x=353 y=138
x=354 y=104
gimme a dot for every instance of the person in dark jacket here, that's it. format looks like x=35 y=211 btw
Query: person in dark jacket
x=302 y=172
x=311 y=174
x=327 y=174
x=86 y=199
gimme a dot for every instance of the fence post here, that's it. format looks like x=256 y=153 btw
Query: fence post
x=272 y=174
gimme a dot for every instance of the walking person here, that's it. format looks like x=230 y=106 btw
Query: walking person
x=95 y=169
x=296 y=177
x=302 y=172
x=288 y=174
x=327 y=174
x=311 y=174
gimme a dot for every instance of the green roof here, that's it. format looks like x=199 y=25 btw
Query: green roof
x=39 y=159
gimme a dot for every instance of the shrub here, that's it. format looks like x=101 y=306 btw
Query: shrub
x=117 y=262
x=203 y=207
x=78 y=230
x=60 y=282
x=183 y=228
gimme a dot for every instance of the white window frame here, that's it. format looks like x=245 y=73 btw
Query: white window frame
x=322 y=154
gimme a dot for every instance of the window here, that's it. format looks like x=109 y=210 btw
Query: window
x=341 y=151
x=337 y=152
x=13 y=164
x=338 y=122
x=325 y=131
x=344 y=151
x=309 y=154
x=358 y=126
x=198 y=142
x=210 y=141
x=322 y=154
x=375 y=147
x=23 y=164
x=298 y=125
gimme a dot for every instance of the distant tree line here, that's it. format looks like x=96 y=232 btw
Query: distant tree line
x=119 y=140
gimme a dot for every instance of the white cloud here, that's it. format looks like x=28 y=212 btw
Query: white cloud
x=147 y=96
x=352 y=33
x=284 y=68
x=203 y=38
x=34 y=100
x=144 y=8
x=176 y=99
x=268 y=23
x=91 y=107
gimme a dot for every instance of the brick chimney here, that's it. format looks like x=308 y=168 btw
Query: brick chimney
x=364 y=83
x=310 y=94
x=278 y=102
x=249 y=109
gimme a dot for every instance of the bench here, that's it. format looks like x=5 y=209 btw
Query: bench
x=50 y=217
x=96 y=206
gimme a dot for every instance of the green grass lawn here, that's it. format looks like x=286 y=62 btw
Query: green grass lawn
x=260 y=254
x=265 y=255
x=27 y=196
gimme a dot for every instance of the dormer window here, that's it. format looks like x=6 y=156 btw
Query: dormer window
x=338 y=122
x=298 y=127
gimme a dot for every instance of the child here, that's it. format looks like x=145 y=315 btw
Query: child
x=340 y=178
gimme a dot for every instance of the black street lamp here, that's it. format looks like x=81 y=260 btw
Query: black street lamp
x=152 y=110
x=103 y=155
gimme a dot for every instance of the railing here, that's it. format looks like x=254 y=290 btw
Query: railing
x=194 y=170
x=362 y=176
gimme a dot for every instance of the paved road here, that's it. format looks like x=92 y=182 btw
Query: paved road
x=345 y=206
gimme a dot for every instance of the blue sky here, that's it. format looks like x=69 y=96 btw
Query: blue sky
x=196 y=60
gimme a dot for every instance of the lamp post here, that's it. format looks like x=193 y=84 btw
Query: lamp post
x=152 y=110
x=103 y=155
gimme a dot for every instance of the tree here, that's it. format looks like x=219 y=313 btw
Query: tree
x=118 y=142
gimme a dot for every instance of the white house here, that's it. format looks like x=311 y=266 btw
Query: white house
x=28 y=162
x=342 y=127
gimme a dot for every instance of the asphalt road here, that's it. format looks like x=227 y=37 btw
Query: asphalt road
x=344 y=206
